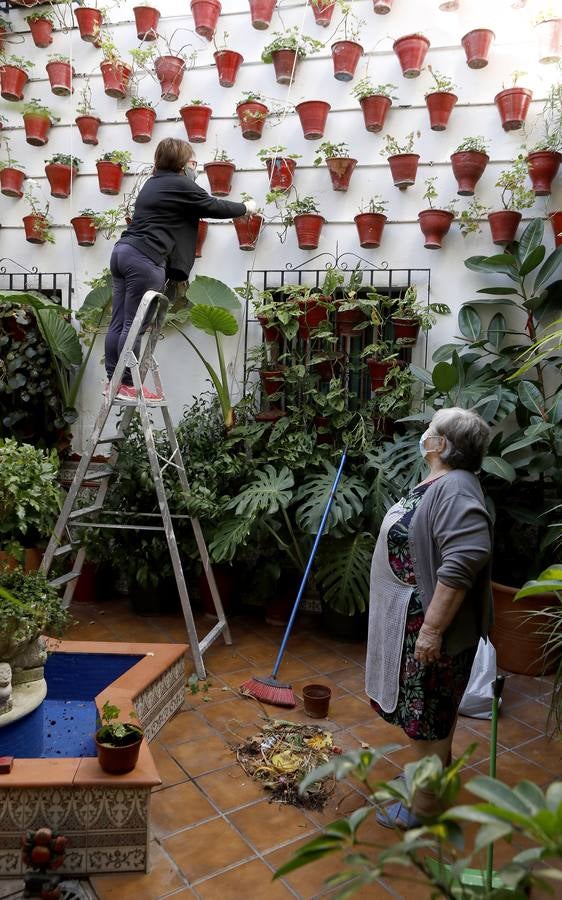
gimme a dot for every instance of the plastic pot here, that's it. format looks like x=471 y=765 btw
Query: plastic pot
x=146 y=21
x=404 y=168
x=41 y=32
x=110 y=177
x=313 y=115
x=85 y=230
x=477 y=45
x=169 y=71
x=549 y=37
x=543 y=167
x=434 y=224
x=382 y=7
x=247 y=230
x=347 y=319
x=202 y=229
x=11 y=182
x=370 y=228
x=206 y=15
x=513 y=105
x=60 y=76
x=196 y=120
x=270 y=332
x=375 y=109
x=468 y=167
x=411 y=51
x=118 y=760
x=228 y=63
x=316 y=699
x=405 y=329
x=252 y=118
x=503 y=225
x=341 y=169
x=60 y=178
x=12 y=82
x=346 y=56
x=440 y=106
x=556 y=222
x=34 y=227
x=521 y=643
x=220 y=177
x=36 y=129
x=141 y=120
x=115 y=78
x=271 y=381
x=313 y=312
x=88 y=127
x=280 y=172
x=323 y=12
x=308 y=227
x=378 y=372
x=89 y=22
x=285 y=64
x=261 y=12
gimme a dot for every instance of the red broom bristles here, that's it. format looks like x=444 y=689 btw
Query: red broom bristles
x=268 y=690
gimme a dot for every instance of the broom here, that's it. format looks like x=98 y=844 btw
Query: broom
x=269 y=690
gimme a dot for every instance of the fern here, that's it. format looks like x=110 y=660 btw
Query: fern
x=344 y=571
x=314 y=493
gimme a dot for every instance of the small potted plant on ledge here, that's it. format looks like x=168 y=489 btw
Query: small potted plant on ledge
x=14 y=75
x=115 y=72
x=548 y=31
x=515 y=196
x=170 y=69
x=435 y=223
x=228 y=62
x=61 y=72
x=90 y=21
x=196 y=116
x=220 y=172
x=304 y=214
x=146 y=21
x=403 y=163
x=141 y=117
x=469 y=161
x=375 y=101
x=370 y=221
x=381 y=357
x=252 y=113
x=41 y=27
x=280 y=166
x=410 y=314
x=544 y=159
x=513 y=104
x=88 y=224
x=37 y=224
x=411 y=51
x=118 y=743
x=313 y=115
x=248 y=227
x=286 y=50
x=111 y=168
x=476 y=44
x=340 y=164
x=61 y=169
x=347 y=53
x=37 y=120
x=440 y=100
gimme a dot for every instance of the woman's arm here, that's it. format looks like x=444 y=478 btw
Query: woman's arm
x=200 y=203
x=444 y=606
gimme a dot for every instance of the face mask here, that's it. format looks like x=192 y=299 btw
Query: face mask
x=423 y=438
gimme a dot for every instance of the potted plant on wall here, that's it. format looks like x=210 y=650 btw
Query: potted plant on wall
x=90 y=21
x=5 y=28
x=205 y=15
x=85 y=227
x=515 y=196
x=382 y=7
x=381 y=357
x=347 y=53
x=261 y=12
x=111 y=168
x=476 y=44
x=37 y=224
x=252 y=113
x=280 y=166
x=403 y=163
x=37 y=120
x=375 y=101
x=88 y=124
x=12 y=174
x=228 y=63
x=61 y=72
x=544 y=159
x=170 y=69
x=114 y=71
x=61 y=169
x=435 y=223
x=513 y=104
x=286 y=50
x=340 y=164
x=313 y=115
x=146 y=20
x=118 y=743
x=411 y=51
x=323 y=11
x=220 y=172
x=471 y=217
x=304 y=214
x=196 y=116
x=440 y=100
x=202 y=231
x=548 y=31
x=14 y=77
x=370 y=221
x=141 y=117
x=41 y=27
x=468 y=162
x=248 y=227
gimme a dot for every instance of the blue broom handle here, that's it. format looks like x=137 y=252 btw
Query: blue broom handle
x=309 y=565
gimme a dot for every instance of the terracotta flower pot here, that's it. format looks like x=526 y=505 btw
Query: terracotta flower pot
x=169 y=71
x=261 y=12
x=556 y=222
x=378 y=372
x=247 y=230
x=347 y=320
x=341 y=169
x=270 y=332
x=271 y=381
x=252 y=116
x=411 y=51
x=543 y=167
x=404 y=168
x=12 y=82
x=85 y=230
x=503 y=225
x=449 y=5
x=36 y=129
x=141 y=120
x=513 y=105
x=520 y=646
x=313 y=115
x=314 y=313
x=316 y=699
x=146 y=21
x=477 y=45
x=549 y=37
x=34 y=227
x=116 y=77
x=468 y=167
x=285 y=63
x=196 y=120
x=382 y=7
x=345 y=57
x=440 y=106
x=220 y=177
x=11 y=182
x=3 y=33
x=41 y=32
x=206 y=15
x=434 y=224
x=110 y=177
x=370 y=228
x=60 y=178
x=280 y=171
x=119 y=760
x=89 y=22
x=88 y=127
x=308 y=227
x=405 y=330
x=375 y=109
x=60 y=76
x=323 y=12
x=202 y=229
x=228 y=63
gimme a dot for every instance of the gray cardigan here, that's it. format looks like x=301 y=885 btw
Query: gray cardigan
x=450 y=539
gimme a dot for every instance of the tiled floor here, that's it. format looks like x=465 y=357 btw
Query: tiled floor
x=214 y=834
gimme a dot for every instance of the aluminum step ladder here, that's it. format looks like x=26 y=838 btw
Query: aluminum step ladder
x=65 y=543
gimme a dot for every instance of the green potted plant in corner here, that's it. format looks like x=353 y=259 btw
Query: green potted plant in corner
x=370 y=221
x=61 y=170
x=435 y=223
x=252 y=113
x=375 y=102
x=118 y=743
x=544 y=159
x=37 y=120
x=196 y=116
x=41 y=28
x=14 y=76
x=403 y=163
x=340 y=164
x=286 y=50
x=469 y=161
x=440 y=100
x=515 y=196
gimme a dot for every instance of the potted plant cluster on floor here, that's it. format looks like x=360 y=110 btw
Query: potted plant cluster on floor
x=375 y=102
x=339 y=163
x=118 y=743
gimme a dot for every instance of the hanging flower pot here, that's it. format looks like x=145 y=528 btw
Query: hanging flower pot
x=228 y=63
x=346 y=56
x=60 y=178
x=347 y=320
x=513 y=105
x=340 y=169
x=411 y=51
x=35 y=228
x=110 y=177
x=169 y=71
x=382 y=7
x=440 y=105
x=12 y=82
x=271 y=381
x=468 y=168
x=202 y=229
x=247 y=230
x=434 y=224
x=11 y=182
x=41 y=32
x=543 y=167
x=88 y=127
x=85 y=230
x=196 y=118
x=404 y=168
x=280 y=172
x=477 y=45
x=370 y=228
x=89 y=22
x=378 y=372
x=375 y=109
x=220 y=177
x=146 y=21
x=323 y=11
x=36 y=128
x=549 y=37
x=503 y=225
x=313 y=115
x=405 y=330
x=285 y=64
x=252 y=116
x=60 y=76
x=270 y=332
x=308 y=227
x=261 y=12
x=449 y=5
x=206 y=15
x=141 y=121
x=115 y=76
x=556 y=222
x=313 y=312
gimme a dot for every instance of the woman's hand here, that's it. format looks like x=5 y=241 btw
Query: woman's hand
x=428 y=645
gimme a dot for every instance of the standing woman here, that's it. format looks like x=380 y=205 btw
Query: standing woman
x=430 y=599
x=159 y=244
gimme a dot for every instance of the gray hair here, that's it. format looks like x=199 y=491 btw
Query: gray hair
x=467 y=436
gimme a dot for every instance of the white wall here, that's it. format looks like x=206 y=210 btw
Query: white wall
x=514 y=48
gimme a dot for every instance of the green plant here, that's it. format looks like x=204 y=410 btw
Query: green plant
x=121 y=158
x=442 y=82
x=198 y=103
x=544 y=15
x=85 y=106
x=5 y=25
x=382 y=351
x=430 y=194
x=43 y=226
x=408 y=307
x=140 y=102
x=29 y=607
x=327 y=150
x=108 y=47
x=374 y=204
x=39 y=17
x=291 y=39
x=474 y=145
x=106 y=223
x=114 y=733
x=298 y=207
x=514 y=193
x=552 y=121
x=251 y=97
x=365 y=88
x=61 y=58
x=471 y=215
x=95 y=311
x=36 y=108
x=64 y=159
x=276 y=151
x=18 y=62
x=393 y=148
x=221 y=155
x=29 y=493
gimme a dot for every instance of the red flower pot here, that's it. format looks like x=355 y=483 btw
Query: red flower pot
x=146 y=21
x=468 y=167
x=434 y=224
x=308 y=227
x=141 y=121
x=477 y=45
x=169 y=71
x=228 y=63
x=404 y=168
x=503 y=225
x=110 y=177
x=513 y=105
x=196 y=120
x=313 y=311
x=202 y=229
x=323 y=11
x=3 y=33
x=378 y=372
x=382 y=7
x=324 y=438
x=549 y=36
x=270 y=332
x=261 y=12
x=115 y=78
x=34 y=227
x=556 y=222
x=346 y=321
x=85 y=230
x=375 y=109
x=11 y=182
x=36 y=129
x=341 y=169
x=313 y=115
x=89 y=22
x=411 y=51
x=88 y=127
x=247 y=230
x=12 y=82
x=405 y=330
x=271 y=381
x=280 y=172
x=60 y=76
x=440 y=106
x=206 y=15
x=543 y=167
x=285 y=64
x=60 y=178
x=346 y=56
x=252 y=118
x=449 y=5
x=370 y=228
x=220 y=177
x=41 y=32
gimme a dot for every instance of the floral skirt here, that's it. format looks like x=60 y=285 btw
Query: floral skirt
x=429 y=696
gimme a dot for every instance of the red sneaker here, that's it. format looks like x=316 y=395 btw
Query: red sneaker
x=128 y=394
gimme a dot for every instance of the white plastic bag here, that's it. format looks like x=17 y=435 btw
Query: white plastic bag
x=477 y=699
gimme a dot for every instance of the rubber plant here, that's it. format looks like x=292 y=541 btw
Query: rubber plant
x=370 y=221
x=440 y=100
x=403 y=163
x=339 y=163
x=375 y=102
x=435 y=223
x=286 y=50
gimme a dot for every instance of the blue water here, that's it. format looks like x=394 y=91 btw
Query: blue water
x=65 y=723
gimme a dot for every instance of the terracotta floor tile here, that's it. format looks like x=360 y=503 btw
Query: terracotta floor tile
x=214 y=692
x=162 y=878
x=464 y=738
x=512 y=768
x=207 y=849
x=512 y=732
x=533 y=713
x=184 y=726
x=237 y=710
x=231 y=787
x=377 y=732
x=259 y=653
x=204 y=755
x=544 y=751
x=294 y=669
x=169 y=771
x=309 y=881
x=336 y=689
x=222 y=658
x=267 y=825
x=234 y=679
x=250 y=880
x=350 y=710
x=531 y=687
x=341 y=803
x=177 y=807
x=329 y=660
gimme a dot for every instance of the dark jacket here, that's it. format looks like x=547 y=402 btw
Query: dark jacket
x=167 y=213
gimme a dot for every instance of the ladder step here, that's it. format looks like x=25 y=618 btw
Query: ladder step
x=63 y=549
x=84 y=511
x=98 y=474
x=112 y=439
x=64 y=579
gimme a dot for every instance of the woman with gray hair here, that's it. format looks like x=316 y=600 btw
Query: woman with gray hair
x=430 y=597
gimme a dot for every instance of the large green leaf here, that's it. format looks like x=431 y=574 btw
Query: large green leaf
x=470 y=323
x=497 y=291
x=496 y=330
x=267 y=493
x=499 y=467
x=531 y=238
x=547 y=269
x=212 y=292
x=421 y=375
x=213 y=319
x=444 y=353
x=314 y=494
x=531 y=397
x=533 y=260
x=499 y=264
x=344 y=567
x=498 y=794
x=60 y=336
x=229 y=536
x=444 y=377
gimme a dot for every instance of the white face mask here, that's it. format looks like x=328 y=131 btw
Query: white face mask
x=427 y=434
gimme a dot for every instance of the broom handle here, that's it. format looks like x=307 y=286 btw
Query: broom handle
x=309 y=565
x=498 y=688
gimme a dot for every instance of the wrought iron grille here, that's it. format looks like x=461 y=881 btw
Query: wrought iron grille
x=55 y=285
